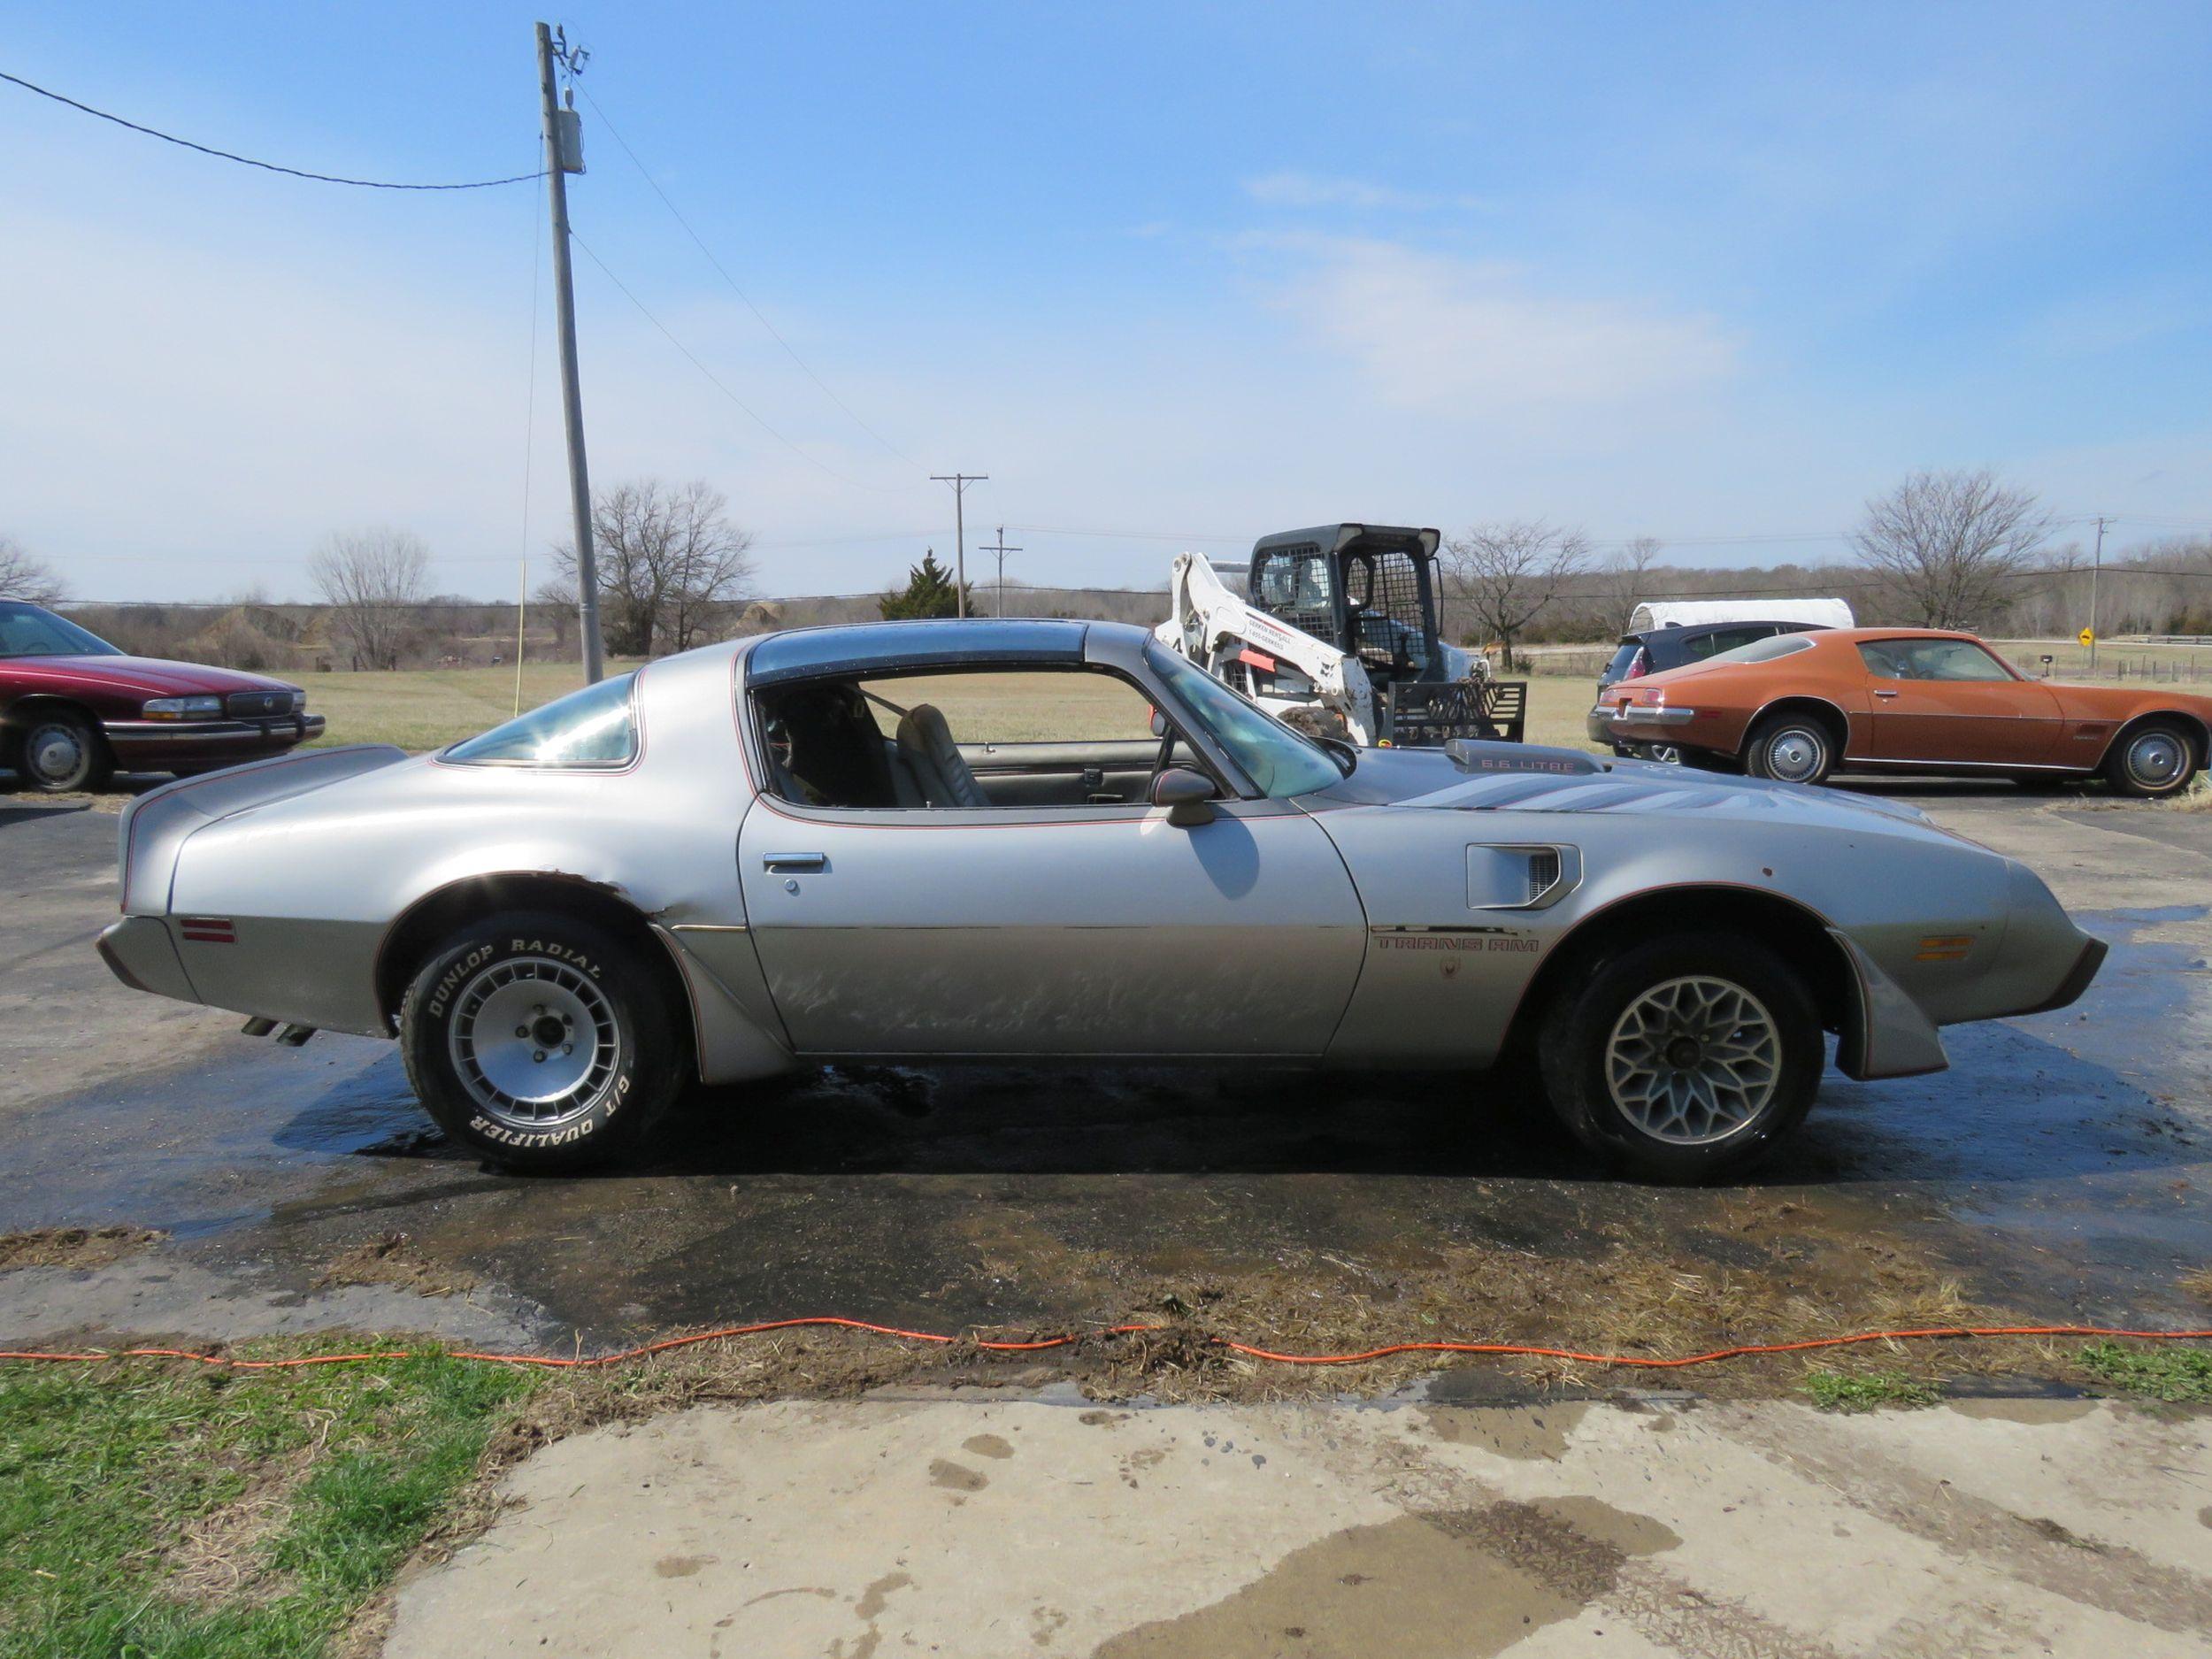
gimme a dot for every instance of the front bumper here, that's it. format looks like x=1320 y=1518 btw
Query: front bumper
x=157 y=745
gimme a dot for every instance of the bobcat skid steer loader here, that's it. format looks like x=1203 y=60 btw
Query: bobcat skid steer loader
x=1336 y=632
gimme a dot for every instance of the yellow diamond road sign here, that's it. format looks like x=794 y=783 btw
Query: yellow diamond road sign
x=2088 y=637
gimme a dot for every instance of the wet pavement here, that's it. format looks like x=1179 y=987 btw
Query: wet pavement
x=2062 y=1169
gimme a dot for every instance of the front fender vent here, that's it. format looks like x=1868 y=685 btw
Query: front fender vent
x=1521 y=877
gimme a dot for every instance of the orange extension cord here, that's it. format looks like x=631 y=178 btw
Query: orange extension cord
x=1530 y=1351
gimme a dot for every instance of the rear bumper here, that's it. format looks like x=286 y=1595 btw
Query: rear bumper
x=1609 y=724
x=140 y=951
x=157 y=745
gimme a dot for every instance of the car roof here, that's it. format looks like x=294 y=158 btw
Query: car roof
x=903 y=646
x=1856 y=634
x=1699 y=630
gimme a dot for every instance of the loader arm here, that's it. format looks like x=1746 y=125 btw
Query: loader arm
x=1214 y=628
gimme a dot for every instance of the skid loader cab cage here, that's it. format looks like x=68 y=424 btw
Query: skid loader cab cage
x=1369 y=590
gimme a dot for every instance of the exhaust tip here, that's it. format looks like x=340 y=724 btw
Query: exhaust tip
x=295 y=1036
x=258 y=1027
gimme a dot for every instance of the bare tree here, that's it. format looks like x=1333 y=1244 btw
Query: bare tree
x=1952 y=545
x=672 y=565
x=373 y=579
x=23 y=577
x=1504 y=574
x=1626 y=575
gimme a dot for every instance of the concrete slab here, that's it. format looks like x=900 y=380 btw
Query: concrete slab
x=877 y=1527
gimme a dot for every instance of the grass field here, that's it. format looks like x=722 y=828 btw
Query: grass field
x=427 y=709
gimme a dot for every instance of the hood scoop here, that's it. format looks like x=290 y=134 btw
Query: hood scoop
x=1476 y=756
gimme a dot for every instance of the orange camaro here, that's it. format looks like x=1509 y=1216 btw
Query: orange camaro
x=1799 y=706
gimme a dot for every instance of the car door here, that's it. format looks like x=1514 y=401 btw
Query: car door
x=1026 y=931
x=1937 y=700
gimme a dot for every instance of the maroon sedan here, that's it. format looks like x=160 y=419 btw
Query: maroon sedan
x=73 y=709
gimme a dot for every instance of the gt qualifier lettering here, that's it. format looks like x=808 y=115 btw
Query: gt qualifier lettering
x=491 y=1131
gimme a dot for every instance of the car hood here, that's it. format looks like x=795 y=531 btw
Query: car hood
x=1527 y=778
x=151 y=675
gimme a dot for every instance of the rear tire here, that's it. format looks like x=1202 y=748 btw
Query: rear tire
x=540 y=1042
x=59 y=753
x=1791 y=749
x=2155 y=759
x=1685 y=1058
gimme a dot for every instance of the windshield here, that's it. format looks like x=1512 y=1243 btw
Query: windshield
x=34 y=631
x=1275 y=758
x=591 y=727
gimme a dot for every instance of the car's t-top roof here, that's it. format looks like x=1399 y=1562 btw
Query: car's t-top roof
x=892 y=647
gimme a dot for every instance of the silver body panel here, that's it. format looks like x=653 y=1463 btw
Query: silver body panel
x=1367 y=924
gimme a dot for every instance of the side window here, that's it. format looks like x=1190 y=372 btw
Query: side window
x=974 y=739
x=589 y=729
x=1019 y=705
x=1884 y=659
x=1952 y=660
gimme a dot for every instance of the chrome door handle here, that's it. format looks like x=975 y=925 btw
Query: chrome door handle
x=794 y=861
x=1885 y=694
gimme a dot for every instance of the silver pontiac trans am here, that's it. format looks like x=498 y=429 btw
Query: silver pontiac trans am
x=851 y=842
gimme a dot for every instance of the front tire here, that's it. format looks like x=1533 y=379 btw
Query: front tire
x=1791 y=749
x=2153 y=760
x=1685 y=1058
x=61 y=753
x=540 y=1042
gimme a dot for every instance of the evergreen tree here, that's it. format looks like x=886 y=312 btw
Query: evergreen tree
x=929 y=592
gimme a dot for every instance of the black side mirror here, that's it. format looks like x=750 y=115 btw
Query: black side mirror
x=1187 y=796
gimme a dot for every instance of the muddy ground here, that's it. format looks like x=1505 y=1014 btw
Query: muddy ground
x=2058 y=1173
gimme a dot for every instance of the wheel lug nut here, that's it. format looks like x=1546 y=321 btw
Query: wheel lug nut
x=522 y=1030
x=538 y=1054
x=568 y=1048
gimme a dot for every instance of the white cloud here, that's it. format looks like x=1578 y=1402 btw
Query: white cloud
x=1311 y=190
x=1480 y=339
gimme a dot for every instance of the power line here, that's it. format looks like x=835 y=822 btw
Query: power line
x=960 y=482
x=1001 y=550
x=714 y=379
x=266 y=166
x=758 y=316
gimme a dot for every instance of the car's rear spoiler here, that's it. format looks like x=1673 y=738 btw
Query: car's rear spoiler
x=155 y=825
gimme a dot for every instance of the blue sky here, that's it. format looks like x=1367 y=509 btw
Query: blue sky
x=1167 y=275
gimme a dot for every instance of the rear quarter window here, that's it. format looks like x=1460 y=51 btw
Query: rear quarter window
x=592 y=729
x=1766 y=650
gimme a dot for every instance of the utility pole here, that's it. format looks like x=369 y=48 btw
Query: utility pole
x=1001 y=550
x=2095 y=567
x=960 y=482
x=565 y=155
